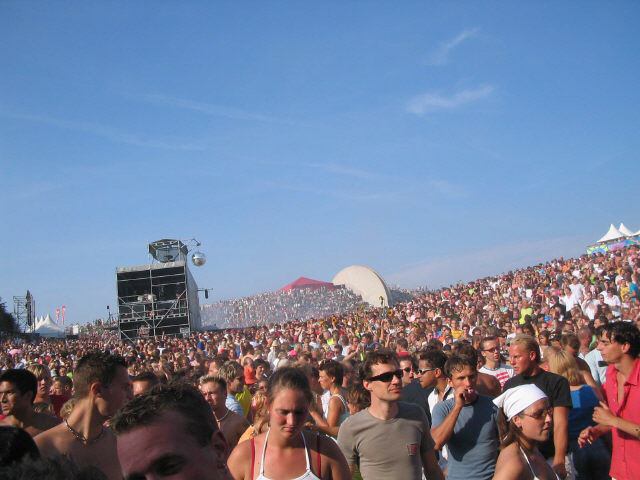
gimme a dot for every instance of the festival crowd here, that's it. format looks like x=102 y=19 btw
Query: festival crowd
x=532 y=374
x=281 y=306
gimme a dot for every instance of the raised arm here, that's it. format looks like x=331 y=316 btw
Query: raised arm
x=442 y=433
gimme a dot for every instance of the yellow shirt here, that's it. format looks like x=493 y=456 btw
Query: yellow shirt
x=244 y=399
x=524 y=312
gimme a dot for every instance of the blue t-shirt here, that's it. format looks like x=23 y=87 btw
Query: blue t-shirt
x=473 y=446
x=584 y=401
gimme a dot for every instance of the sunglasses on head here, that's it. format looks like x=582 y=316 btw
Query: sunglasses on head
x=386 y=377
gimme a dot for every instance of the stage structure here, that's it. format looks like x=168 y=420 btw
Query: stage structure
x=159 y=299
x=24 y=311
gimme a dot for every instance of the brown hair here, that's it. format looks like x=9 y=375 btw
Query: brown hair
x=289 y=377
x=179 y=397
x=95 y=367
x=375 y=358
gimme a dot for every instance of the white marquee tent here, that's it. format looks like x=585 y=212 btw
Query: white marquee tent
x=47 y=328
x=612 y=234
x=625 y=231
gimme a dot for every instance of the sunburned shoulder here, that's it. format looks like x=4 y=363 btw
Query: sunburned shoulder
x=47 y=441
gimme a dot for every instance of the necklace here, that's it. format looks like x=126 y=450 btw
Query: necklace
x=81 y=437
x=223 y=416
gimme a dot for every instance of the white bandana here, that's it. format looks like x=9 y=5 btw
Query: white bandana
x=516 y=399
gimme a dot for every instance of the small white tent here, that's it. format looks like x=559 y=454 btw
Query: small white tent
x=625 y=231
x=612 y=234
x=47 y=328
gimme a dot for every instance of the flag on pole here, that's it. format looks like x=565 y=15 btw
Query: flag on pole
x=57 y=315
x=63 y=307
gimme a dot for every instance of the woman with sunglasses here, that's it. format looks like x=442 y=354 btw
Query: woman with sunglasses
x=525 y=420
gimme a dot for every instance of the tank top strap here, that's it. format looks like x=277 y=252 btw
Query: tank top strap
x=319 y=457
x=307 y=453
x=264 y=450
x=253 y=456
x=344 y=403
x=529 y=463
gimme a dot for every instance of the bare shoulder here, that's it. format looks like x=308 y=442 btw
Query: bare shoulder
x=331 y=455
x=48 y=440
x=510 y=465
x=239 y=462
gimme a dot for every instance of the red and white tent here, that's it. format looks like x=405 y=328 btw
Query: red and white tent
x=303 y=282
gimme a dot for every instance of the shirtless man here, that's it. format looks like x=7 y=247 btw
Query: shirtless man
x=231 y=424
x=102 y=386
x=17 y=392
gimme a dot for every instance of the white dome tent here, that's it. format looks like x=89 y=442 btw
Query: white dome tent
x=47 y=328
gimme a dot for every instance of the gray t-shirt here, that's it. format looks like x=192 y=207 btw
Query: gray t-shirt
x=473 y=446
x=387 y=448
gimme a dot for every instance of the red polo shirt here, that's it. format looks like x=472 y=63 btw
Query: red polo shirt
x=626 y=449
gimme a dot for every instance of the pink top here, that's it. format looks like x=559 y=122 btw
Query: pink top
x=626 y=449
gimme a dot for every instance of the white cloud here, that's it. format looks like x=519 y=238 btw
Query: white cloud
x=350 y=195
x=440 y=55
x=429 y=102
x=104 y=131
x=206 y=108
x=346 y=171
x=478 y=263
x=448 y=189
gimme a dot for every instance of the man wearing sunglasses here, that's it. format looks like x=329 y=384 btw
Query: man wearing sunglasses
x=493 y=365
x=390 y=439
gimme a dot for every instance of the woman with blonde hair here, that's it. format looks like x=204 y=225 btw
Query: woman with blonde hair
x=593 y=460
x=525 y=420
x=260 y=412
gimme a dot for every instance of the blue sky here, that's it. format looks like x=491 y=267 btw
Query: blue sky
x=432 y=141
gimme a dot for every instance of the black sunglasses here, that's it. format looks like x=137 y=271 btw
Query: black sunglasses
x=407 y=369
x=386 y=377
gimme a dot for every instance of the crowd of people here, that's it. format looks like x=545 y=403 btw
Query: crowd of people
x=532 y=374
x=280 y=306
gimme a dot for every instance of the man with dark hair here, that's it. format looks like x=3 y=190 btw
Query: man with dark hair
x=101 y=387
x=390 y=439
x=490 y=349
x=232 y=425
x=466 y=424
x=431 y=377
x=524 y=355
x=412 y=390
x=170 y=431
x=144 y=382
x=485 y=384
x=17 y=391
x=620 y=347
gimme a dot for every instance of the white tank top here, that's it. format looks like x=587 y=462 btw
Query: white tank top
x=535 y=477
x=307 y=475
